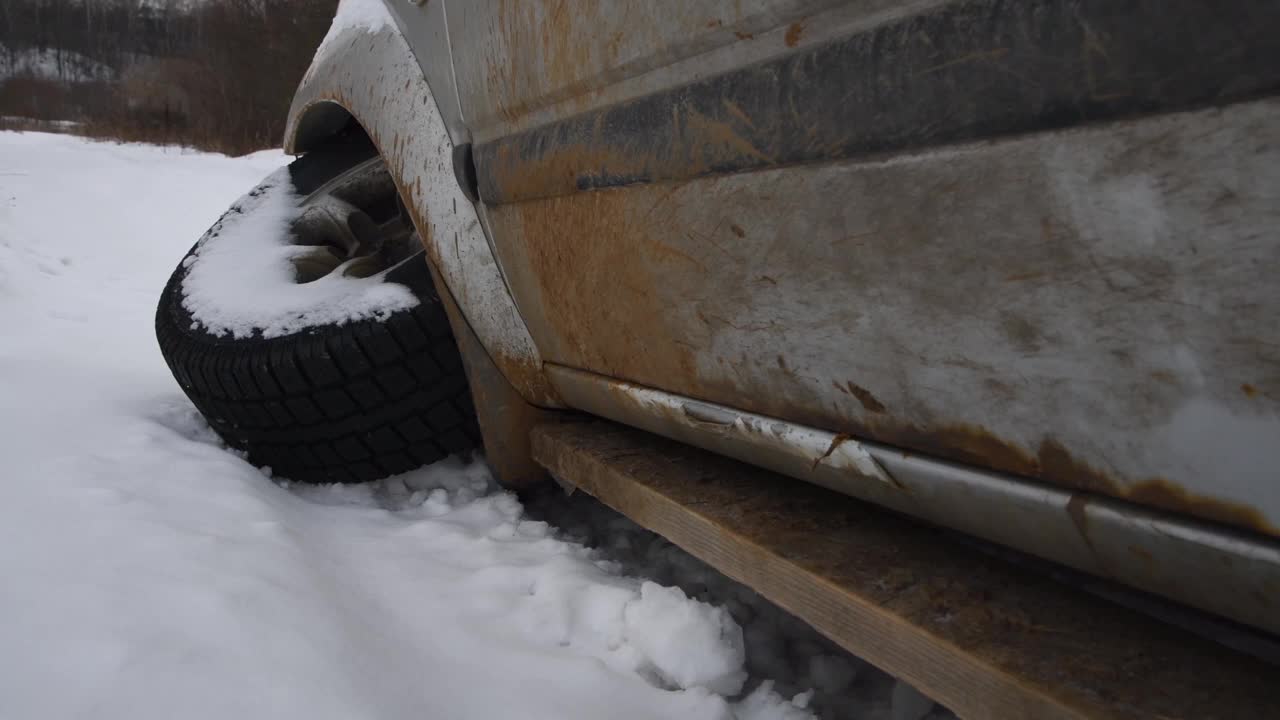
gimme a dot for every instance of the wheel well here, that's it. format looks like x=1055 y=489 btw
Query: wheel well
x=320 y=124
x=504 y=416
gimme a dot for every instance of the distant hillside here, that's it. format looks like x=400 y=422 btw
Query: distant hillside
x=217 y=74
x=52 y=64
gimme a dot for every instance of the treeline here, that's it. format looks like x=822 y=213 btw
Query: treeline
x=215 y=74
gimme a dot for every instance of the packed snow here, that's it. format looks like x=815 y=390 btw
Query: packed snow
x=781 y=651
x=240 y=280
x=149 y=572
x=368 y=15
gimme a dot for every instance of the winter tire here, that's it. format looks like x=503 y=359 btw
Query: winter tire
x=343 y=402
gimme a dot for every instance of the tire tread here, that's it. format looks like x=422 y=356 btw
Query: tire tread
x=338 y=403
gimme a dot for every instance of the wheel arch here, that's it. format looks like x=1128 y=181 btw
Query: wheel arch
x=370 y=78
x=319 y=123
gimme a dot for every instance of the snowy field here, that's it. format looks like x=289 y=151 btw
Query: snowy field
x=150 y=573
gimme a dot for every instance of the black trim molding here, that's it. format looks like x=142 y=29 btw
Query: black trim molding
x=960 y=72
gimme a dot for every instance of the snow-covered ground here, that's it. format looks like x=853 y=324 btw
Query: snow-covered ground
x=147 y=572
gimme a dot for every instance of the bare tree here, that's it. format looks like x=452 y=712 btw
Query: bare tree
x=213 y=73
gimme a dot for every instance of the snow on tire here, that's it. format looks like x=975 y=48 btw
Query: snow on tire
x=316 y=395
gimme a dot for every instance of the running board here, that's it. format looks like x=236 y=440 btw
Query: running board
x=1223 y=571
x=984 y=638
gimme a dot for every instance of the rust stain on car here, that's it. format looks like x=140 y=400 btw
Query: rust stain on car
x=964 y=443
x=1159 y=492
x=594 y=155
x=542 y=53
x=836 y=442
x=661 y=249
x=604 y=292
x=562 y=54
x=1077 y=510
x=1052 y=463
x=1049 y=462
x=722 y=134
x=575 y=251
x=605 y=244
x=568 y=165
x=1142 y=554
x=864 y=396
x=794 y=31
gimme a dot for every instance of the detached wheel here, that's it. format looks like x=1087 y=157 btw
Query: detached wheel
x=305 y=327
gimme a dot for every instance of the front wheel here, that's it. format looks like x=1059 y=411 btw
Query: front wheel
x=304 y=326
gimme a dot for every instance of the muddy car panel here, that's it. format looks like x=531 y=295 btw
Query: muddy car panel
x=1032 y=240
x=1103 y=328
x=1087 y=307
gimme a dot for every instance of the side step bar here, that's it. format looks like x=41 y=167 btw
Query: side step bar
x=1237 y=574
x=984 y=638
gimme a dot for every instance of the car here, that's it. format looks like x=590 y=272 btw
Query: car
x=1008 y=268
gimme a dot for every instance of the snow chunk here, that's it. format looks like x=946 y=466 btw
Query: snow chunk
x=764 y=703
x=240 y=279
x=369 y=15
x=691 y=644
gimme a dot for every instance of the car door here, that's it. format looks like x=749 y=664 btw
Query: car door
x=1034 y=237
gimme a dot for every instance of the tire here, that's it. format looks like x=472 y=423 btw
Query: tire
x=337 y=403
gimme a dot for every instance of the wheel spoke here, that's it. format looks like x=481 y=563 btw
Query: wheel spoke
x=338 y=219
x=314 y=264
